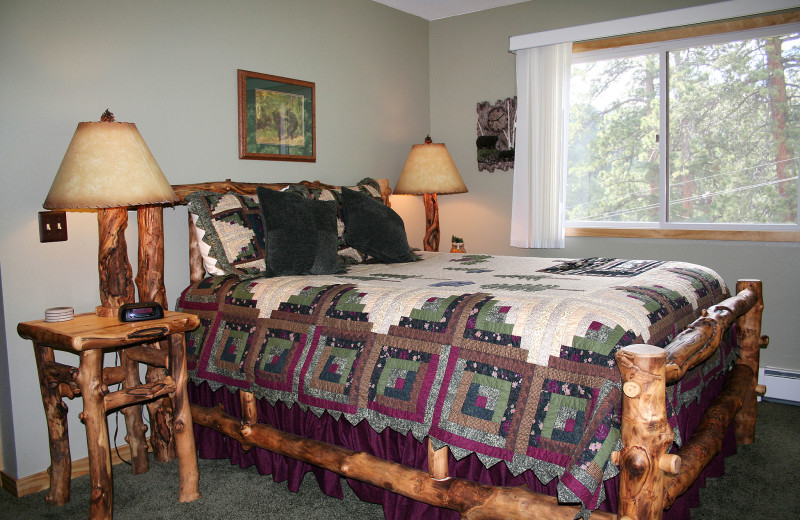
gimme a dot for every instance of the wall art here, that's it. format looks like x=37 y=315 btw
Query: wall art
x=277 y=118
x=496 y=134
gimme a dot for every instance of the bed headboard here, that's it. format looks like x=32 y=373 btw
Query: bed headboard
x=196 y=269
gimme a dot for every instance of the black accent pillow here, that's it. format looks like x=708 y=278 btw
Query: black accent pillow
x=299 y=234
x=374 y=229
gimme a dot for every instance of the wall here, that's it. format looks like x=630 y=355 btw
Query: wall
x=470 y=62
x=170 y=67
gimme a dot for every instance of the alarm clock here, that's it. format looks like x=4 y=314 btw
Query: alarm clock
x=141 y=311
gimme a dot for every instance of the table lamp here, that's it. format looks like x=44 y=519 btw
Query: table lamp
x=430 y=171
x=109 y=167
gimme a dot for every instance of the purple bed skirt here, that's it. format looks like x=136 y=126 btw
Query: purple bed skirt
x=406 y=450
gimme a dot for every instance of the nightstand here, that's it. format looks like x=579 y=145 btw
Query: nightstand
x=90 y=336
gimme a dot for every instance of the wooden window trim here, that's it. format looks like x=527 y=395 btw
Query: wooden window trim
x=678 y=33
x=686 y=234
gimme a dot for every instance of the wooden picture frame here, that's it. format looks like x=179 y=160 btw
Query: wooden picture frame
x=277 y=118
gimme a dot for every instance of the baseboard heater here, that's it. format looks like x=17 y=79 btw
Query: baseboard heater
x=781 y=383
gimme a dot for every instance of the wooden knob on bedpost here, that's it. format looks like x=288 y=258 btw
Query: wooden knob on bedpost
x=632 y=389
x=669 y=463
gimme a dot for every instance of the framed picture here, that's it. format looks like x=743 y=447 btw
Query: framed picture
x=276 y=118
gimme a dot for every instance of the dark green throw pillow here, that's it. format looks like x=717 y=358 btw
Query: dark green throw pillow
x=299 y=234
x=374 y=229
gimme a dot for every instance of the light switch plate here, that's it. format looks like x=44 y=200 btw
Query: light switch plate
x=52 y=226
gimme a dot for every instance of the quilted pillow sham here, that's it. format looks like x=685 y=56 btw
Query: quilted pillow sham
x=299 y=234
x=229 y=231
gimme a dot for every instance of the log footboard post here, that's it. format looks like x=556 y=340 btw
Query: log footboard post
x=748 y=334
x=438 y=467
x=249 y=413
x=646 y=435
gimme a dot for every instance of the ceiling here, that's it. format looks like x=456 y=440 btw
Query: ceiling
x=437 y=9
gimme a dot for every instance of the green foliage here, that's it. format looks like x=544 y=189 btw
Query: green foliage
x=734 y=125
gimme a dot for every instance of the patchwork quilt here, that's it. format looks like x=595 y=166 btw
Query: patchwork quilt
x=510 y=358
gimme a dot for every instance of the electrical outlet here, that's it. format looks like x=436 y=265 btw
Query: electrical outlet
x=52 y=226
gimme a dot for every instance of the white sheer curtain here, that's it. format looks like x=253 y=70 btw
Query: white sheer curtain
x=540 y=155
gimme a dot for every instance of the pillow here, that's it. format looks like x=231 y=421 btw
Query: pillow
x=299 y=234
x=229 y=231
x=369 y=186
x=374 y=228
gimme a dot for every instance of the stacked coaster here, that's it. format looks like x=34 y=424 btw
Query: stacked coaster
x=59 y=314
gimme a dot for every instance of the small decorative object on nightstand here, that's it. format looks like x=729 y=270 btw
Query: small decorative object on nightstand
x=90 y=336
x=457 y=245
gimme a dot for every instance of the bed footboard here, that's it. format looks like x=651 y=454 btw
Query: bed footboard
x=650 y=478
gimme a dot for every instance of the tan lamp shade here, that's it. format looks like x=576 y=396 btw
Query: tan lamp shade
x=108 y=165
x=429 y=169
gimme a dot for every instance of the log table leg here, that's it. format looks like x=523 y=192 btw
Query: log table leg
x=90 y=380
x=182 y=422
x=55 y=411
x=134 y=424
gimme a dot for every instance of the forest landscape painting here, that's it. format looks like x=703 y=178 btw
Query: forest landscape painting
x=279 y=118
x=276 y=118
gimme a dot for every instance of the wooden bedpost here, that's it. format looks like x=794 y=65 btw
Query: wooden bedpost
x=249 y=412
x=748 y=334
x=438 y=467
x=646 y=435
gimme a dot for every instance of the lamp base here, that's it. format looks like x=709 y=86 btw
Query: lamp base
x=106 y=312
x=431 y=240
x=115 y=273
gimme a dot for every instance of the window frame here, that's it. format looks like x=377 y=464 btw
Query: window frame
x=661 y=42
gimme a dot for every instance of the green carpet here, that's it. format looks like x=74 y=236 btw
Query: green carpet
x=761 y=482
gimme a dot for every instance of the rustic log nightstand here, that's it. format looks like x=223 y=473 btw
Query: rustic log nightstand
x=90 y=336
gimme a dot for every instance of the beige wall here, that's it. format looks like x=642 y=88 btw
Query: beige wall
x=170 y=67
x=470 y=62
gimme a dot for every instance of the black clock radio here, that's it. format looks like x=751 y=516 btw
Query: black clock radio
x=141 y=311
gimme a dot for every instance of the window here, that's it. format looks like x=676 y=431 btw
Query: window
x=693 y=133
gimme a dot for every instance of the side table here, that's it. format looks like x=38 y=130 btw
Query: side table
x=90 y=336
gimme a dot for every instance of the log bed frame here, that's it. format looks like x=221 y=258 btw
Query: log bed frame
x=650 y=478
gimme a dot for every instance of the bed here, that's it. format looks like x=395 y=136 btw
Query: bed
x=445 y=385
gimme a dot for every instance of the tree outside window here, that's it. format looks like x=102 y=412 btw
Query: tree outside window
x=732 y=125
